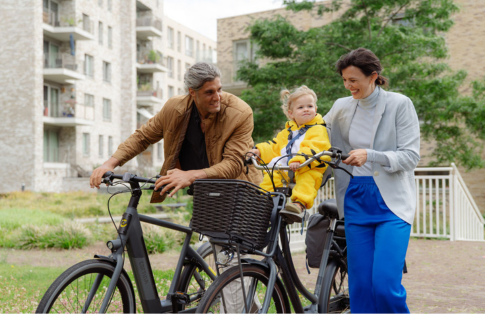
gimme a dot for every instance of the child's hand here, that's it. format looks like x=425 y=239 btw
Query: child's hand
x=294 y=165
x=254 y=151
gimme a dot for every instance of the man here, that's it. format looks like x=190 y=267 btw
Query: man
x=206 y=134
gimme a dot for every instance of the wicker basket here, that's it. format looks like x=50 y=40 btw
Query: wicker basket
x=232 y=209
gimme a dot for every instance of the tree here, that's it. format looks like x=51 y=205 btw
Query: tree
x=412 y=53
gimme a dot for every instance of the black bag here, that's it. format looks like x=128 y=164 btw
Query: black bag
x=315 y=239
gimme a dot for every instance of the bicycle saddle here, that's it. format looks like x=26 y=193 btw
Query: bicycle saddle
x=329 y=208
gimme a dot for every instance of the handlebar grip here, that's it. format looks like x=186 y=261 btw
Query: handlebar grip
x=107 y=174
x=344 y=156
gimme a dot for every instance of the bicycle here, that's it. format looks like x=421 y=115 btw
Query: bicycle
x=260 y=279
x=102 y=284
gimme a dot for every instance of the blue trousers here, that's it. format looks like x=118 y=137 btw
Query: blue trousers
x=377 y=241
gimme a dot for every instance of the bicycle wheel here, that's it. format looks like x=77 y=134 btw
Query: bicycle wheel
x=225 y=294
x=335 y=289
x=70 y=290
x=194 y=281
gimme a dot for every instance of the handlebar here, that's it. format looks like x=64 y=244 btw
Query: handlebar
x=128 y=177
x=311 y=159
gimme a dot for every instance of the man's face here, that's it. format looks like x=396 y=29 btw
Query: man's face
x=208 y=98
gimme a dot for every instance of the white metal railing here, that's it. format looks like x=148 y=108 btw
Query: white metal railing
x=445 y=208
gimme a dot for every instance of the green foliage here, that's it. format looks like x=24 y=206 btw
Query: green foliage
x=67 y=236
x=413 y=54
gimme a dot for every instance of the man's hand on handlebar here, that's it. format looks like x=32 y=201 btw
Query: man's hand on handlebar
x=254 y=151
x=97 y=174
x=177 y=179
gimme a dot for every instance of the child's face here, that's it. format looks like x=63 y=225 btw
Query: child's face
x=303 y=109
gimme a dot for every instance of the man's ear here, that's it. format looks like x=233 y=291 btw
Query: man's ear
x=192 y=92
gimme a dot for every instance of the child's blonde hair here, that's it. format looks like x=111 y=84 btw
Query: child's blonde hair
x=288 y=98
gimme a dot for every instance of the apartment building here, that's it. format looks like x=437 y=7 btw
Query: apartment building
x=466 y=52
x=78 y=77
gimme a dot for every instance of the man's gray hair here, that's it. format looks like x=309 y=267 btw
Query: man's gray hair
x=199 y=73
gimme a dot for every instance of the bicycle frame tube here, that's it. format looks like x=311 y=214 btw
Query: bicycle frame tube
x=325 y=255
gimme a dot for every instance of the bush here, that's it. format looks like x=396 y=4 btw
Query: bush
x=69 y=235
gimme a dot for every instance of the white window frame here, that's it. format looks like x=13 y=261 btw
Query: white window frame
x=179 y=41
x=106 y=72
x=107 y=109
x=110 y=37
x=100 y=146
x=160 y=150
x=88 y=100
x=110 y=146
x=179 y=70
x=89 y=66
x=189 y=46
x=50 y=105
x=171 y=91
x=86 y=144
x=170 y=37
x=170 y=65
x=47 y=149
x=100 y=33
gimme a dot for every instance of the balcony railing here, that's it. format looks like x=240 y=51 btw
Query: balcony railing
x=54 y=19
x=60 y=61
x=150 y=58
x=142 y=92
x=68 y=109
x=149 y=21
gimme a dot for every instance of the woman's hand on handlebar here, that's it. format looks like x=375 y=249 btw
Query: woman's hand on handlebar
x=357 y=157
x=97 y=174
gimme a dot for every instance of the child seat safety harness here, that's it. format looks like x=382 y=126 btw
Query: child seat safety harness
x=291 y=139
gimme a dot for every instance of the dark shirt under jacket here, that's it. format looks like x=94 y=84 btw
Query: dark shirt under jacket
x=193 y=155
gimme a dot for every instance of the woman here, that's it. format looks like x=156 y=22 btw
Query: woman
x=380 y=130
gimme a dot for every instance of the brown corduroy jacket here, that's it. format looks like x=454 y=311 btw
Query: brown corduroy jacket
x=227 y=138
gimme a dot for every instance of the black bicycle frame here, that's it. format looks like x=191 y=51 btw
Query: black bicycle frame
x=131 y=236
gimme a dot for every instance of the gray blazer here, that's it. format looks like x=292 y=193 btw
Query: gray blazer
x=396 y=134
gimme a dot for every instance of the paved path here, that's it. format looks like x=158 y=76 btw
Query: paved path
x=444 y=276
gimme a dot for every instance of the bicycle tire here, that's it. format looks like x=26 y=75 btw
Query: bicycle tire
x=188 y=284
x=211 y=302
x=335 y=289
x=64 y=293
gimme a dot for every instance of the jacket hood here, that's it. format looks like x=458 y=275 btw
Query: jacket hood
x=294 y=126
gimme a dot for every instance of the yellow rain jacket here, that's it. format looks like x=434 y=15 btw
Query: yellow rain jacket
x=308 y=179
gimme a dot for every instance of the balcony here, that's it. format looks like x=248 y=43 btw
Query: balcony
x=61 y=68
x=147 y=97
x=150 y=63
x=148 y=27
x=229 y=82
x=70 y=113
x=61 y=28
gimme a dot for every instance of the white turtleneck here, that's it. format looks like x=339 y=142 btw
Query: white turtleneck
x=360 y=133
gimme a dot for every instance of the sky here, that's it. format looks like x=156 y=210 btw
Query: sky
x=202 y=15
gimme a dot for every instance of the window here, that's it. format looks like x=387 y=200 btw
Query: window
x=100 y=3
x=100 y=33
x=51 y=102
x=88 y=66
x=179 y=91
x=187 y=66
x=170 y=66
x=51 y=146
x=110 y=146
x=170 y=91
x=197 y=49
x=243 y=50
x=88 y=100
x=110 y=5
x=179 y=70
x=179 y=42
x=170 y=37
x=106 y=71
x=189 y=46
x=51 y=13
x=106 y=109
x=399 y=20
x=100 y=143
x=160 y=151
x=52 y=58
x=86 y=144
x=87 y=23
x=110 y=37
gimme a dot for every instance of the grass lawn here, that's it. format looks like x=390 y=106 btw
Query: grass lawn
x=22 y=287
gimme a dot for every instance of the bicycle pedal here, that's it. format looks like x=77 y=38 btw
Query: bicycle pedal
x=180 y=298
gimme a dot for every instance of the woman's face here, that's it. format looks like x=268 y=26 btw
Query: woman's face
x=358 y=83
